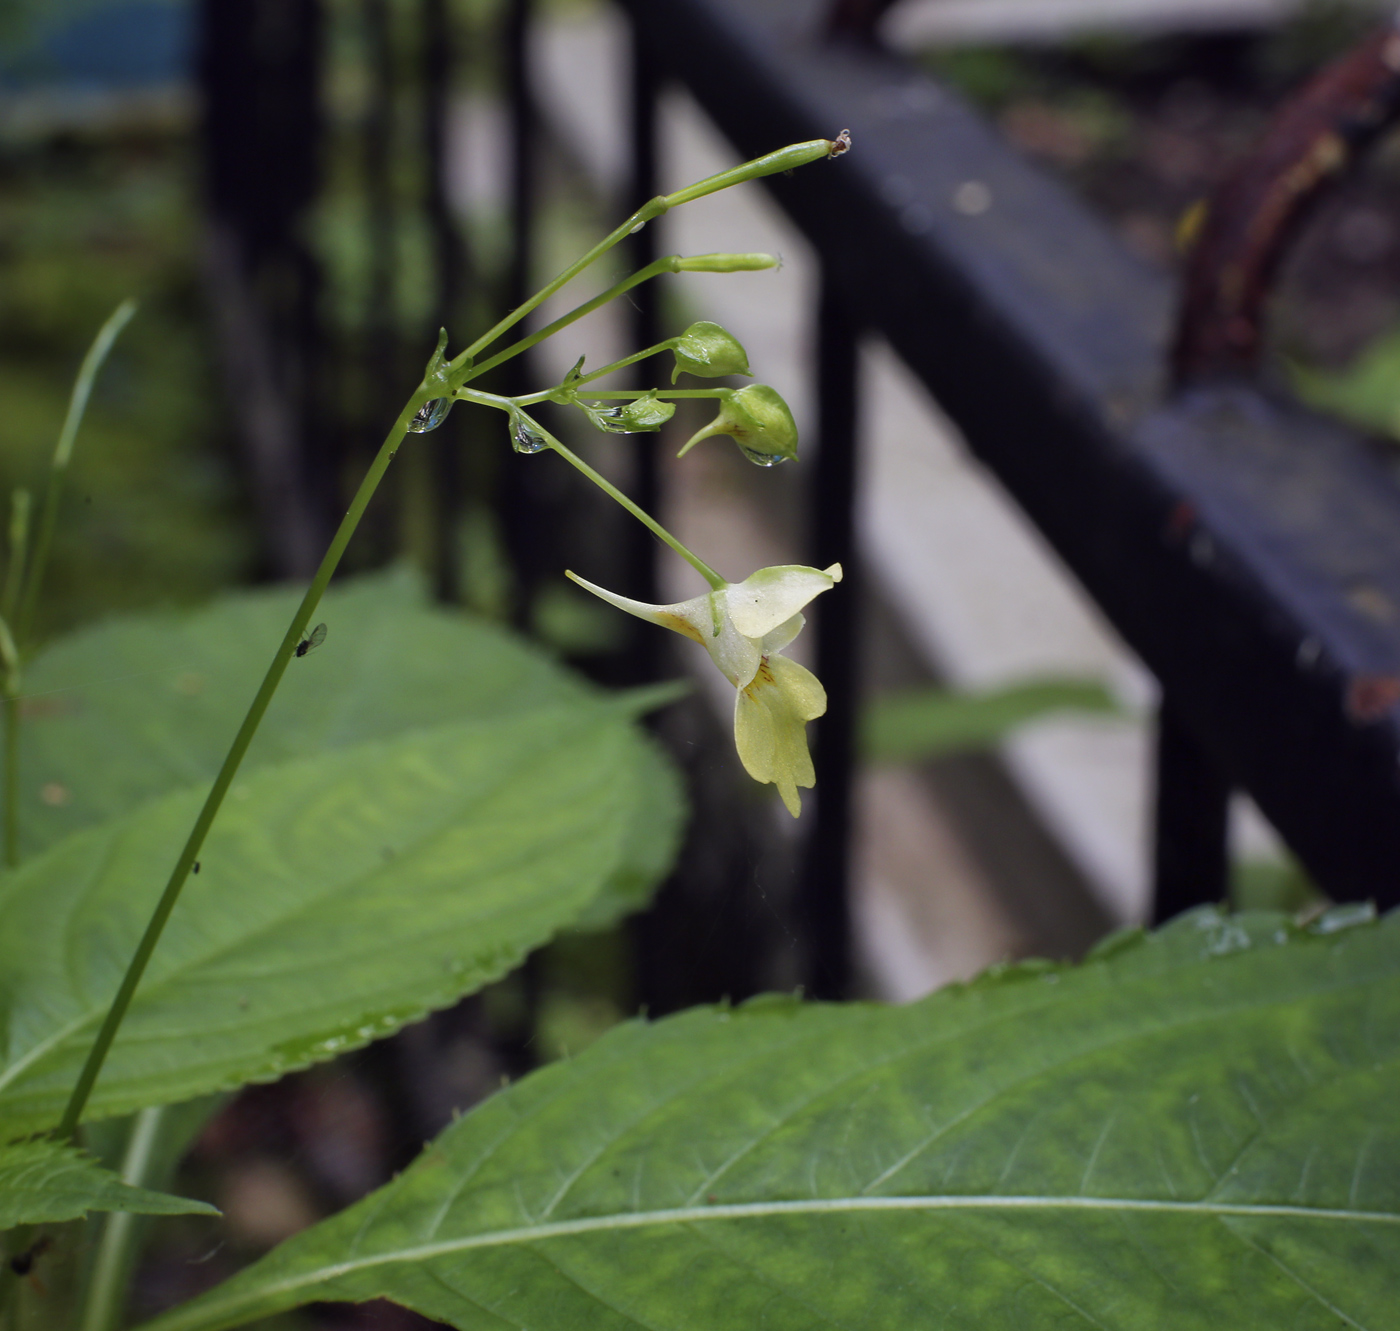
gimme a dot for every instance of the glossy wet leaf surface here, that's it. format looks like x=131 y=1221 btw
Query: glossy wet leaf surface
x=1193 y=1130
x=43 y=1182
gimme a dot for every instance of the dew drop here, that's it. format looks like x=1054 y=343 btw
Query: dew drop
x=430 y=415
x=525 y=440
x=763 y=459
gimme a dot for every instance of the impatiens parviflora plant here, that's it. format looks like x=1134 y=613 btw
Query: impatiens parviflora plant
x=704 y=350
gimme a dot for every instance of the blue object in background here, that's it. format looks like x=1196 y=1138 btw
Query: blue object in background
x=122 y=45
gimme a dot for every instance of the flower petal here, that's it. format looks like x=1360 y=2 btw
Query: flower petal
x=772 y=596
x=703 y=619
x=781 y=636
x=736 y=656
x=694 y=618
x=770 y=726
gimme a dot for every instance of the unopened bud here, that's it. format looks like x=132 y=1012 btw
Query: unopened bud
x=725 y=263
x=642 y=415
x=785 y=159
x=707 y=350
x=758 y=420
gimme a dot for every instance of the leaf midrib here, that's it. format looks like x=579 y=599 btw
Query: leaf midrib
x=626 y=1220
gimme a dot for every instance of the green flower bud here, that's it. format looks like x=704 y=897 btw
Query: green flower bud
x=642 y=415
x=725 y=263
x=758 y=420
x=785 y=159
x=709 y=351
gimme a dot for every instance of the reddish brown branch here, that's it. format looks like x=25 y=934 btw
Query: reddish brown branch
x=1250 y=220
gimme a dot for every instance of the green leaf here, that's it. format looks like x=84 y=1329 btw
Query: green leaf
x=1366 y=392
x=924 y=723
x=138 y=707
x=1194 y=1129
x=145 y=705
x=42 y=1182
x=340 y=897
x=653 y=839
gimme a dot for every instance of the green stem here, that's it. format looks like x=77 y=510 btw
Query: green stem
x=9 y=653
x=62 y=456
x=11 y=780
x=667 y=264
x=770 y=164
x=665 y=394
x=623 y=363
x=642 y=516
x=564 y=393
x=18 y=551
x=785 y=159
x=652 y=208
x=137 y=966
x=9 y=686
x=116 y=1250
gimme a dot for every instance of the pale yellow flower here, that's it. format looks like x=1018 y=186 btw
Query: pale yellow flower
x=745 y=626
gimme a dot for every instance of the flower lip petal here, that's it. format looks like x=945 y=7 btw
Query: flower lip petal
x=770 y=723
x=772 y=596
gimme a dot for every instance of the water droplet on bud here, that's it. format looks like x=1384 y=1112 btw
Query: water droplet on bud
x=763 y=459
x=525 y=440
x=430 y=415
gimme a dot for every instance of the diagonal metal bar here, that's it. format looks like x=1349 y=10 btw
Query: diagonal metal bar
x=1247 y=550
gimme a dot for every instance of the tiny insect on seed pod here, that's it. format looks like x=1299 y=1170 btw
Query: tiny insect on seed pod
x=758 y=420
x=707 y=350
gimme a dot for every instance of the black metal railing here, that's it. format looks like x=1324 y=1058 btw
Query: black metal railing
x=1222 y=529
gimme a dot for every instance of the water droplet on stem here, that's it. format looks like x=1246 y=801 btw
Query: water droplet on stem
x=430 y=415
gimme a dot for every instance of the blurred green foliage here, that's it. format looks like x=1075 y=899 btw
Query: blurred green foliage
x=1318 y=31
x=1366 y=392
x=1273 y=884
x=1262 y=61
x=915 y=724
x=152 y=513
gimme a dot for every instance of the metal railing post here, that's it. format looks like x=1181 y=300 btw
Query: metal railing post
x=451 y=261
x=646 y=332
x=528 y=537
x=823 y=907
x=1191 y=846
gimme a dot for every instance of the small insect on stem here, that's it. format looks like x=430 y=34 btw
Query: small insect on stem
x=312 y=640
